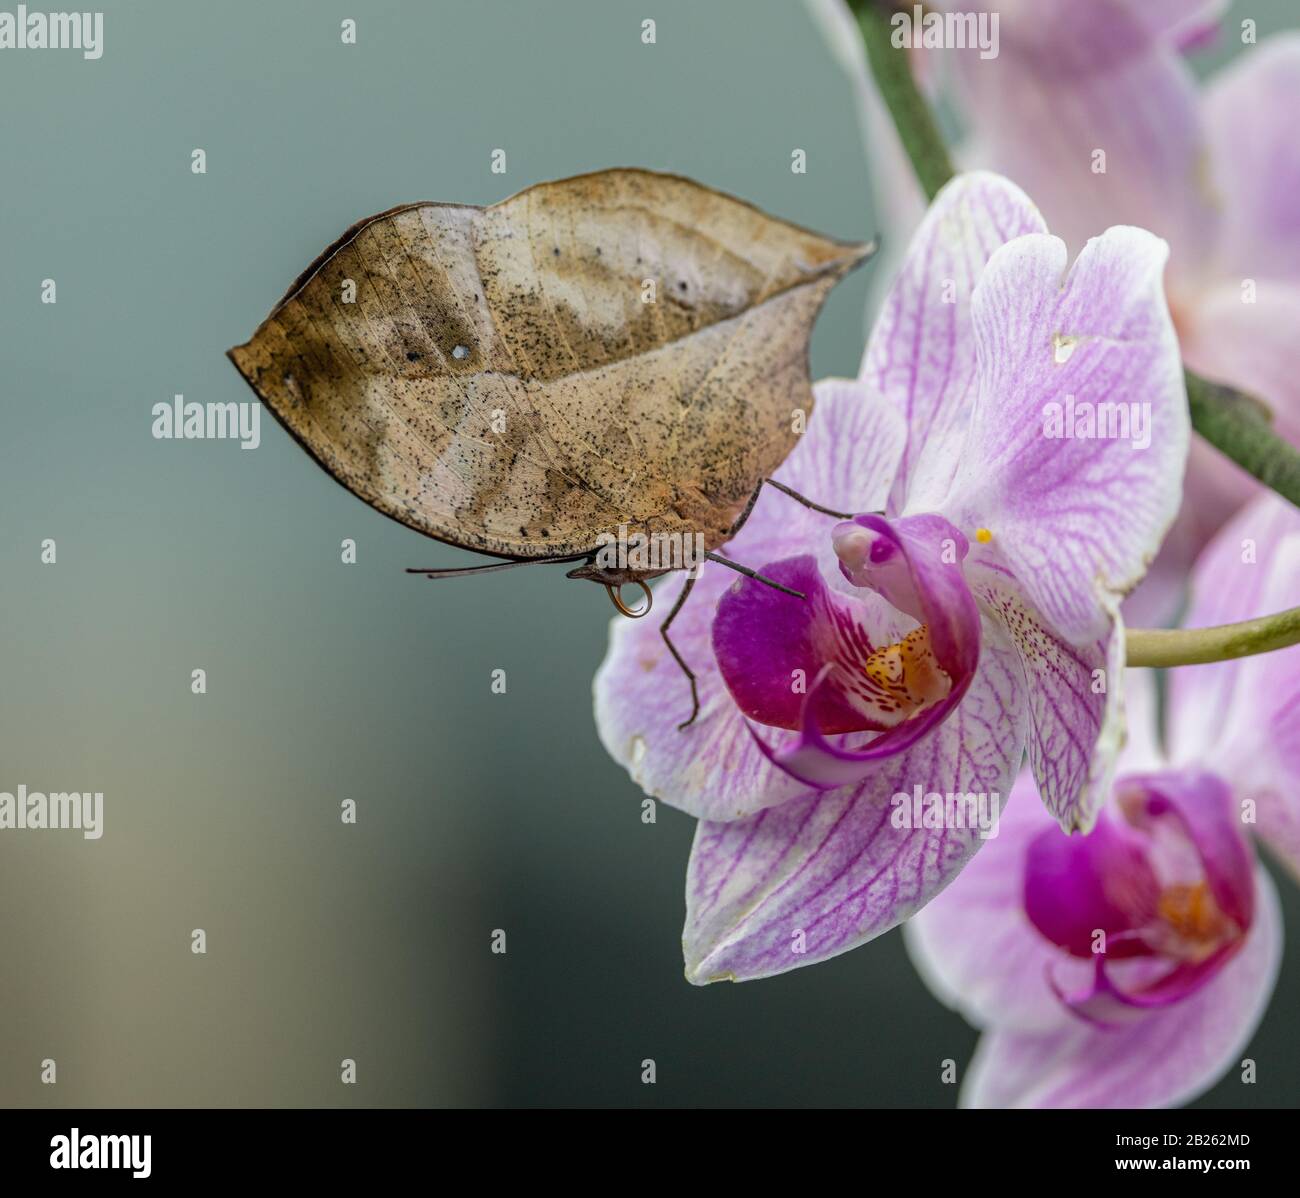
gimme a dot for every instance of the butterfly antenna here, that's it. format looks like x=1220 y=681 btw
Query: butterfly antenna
x=754 y=574
x=462 y=570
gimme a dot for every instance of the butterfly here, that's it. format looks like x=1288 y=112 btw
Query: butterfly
x=595 y=366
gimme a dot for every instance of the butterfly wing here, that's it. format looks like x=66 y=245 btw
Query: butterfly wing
x=623 y=347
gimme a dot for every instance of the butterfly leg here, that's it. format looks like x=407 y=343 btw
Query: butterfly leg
x=790 y=491
x=745 y=570
x=681 y=661
x=754 y=574
x=808 y=503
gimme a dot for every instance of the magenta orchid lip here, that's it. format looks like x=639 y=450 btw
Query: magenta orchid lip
x=900 y=690
x=1165 y=877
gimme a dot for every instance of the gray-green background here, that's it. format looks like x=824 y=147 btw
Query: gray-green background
x=326 y=681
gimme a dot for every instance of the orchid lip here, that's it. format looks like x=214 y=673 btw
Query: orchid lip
x=1125 y=893
x=900 y=689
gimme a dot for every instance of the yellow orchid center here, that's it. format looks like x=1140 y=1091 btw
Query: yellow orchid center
x=1190 y=911
x=908 y=671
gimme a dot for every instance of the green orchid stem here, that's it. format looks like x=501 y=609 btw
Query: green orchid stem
x=912 y=117
x=1236 y=424
x=1240 y=426
x=1197 y=646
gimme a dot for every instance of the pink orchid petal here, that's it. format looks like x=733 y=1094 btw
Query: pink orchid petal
x=1073 y=79
x=828 y=872
x=1143 y=751
x=1215 y=488
x=1250 y=109
x=974 y=946
x=1251 y=345
x=1242 y=718
x=1077 y=520
x=1177 y=22
x=1075 y=693
x=921 y=353
x=713 y=769
x=1186 y=24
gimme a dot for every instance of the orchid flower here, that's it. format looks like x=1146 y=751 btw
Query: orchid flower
x=1130 y=967
x=1094 y=111
x=970 y=610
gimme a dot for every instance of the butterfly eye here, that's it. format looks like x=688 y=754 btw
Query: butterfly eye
x=616 y=596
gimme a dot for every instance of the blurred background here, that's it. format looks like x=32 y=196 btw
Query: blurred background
x=328 y=682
